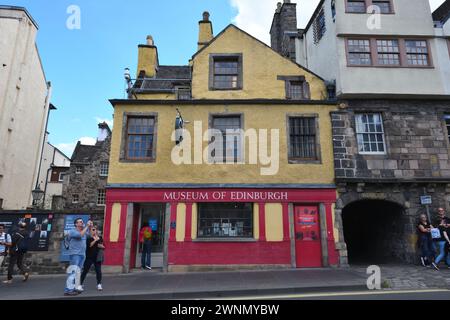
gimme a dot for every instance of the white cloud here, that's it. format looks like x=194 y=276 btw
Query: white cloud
x=108 y=121
x=255 y=16
x=88 y=141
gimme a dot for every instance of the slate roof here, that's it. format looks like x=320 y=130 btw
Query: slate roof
x=167 y=77
x=442 y=13
x=84 y=153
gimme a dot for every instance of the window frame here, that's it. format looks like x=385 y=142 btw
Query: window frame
x=369 y=3
x=402 y=47
x=357 y=133
x=293 y=160
x=241 y=156
x=61 y=179
x=446 y=117
x=212 y=59
x=225 y=238
x=101 y=173
x=78 y=198
x=78 y=171
x=98 y=197
x=124 y=142
x=319 y=26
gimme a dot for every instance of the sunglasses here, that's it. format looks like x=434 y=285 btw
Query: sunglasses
x=94 y=229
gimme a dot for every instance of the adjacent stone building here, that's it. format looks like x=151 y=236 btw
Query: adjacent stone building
x=85 y=181
x=391 y=134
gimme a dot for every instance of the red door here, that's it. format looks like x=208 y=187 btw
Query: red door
x=308 y=249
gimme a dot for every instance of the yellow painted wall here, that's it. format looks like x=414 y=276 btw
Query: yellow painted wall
x=194 y=221
x=115 y=222
x=256 y=221
x=147 y=60
x=261 y=66
x=254 y=116
x=181 y=222
x=274 y=222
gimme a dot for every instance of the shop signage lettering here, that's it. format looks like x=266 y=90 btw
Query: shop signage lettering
x=225 y=195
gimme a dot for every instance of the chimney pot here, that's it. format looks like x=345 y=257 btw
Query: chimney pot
x=287 y=1
x=150 y=41
x=206 y=16
x=278 y=7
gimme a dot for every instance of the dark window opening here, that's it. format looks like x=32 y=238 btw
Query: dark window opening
x=302 y=138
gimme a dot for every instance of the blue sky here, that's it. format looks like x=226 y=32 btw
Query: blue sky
x=86 y=66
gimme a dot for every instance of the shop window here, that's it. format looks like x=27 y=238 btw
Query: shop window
x=302 y=138
x=225 y=72
x=370 y=133
x=225 y=220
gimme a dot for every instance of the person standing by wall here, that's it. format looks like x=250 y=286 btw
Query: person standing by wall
x=145 y=238
x=77 y=254
x=5 y=243
x=17 y=251
x=425 y=241
x=94 y=256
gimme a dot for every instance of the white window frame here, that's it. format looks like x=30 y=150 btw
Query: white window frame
x=78 y=171
x=358 y=120
x=98 y=197
x=102 y=171
x=61 y=176
x=73 y=198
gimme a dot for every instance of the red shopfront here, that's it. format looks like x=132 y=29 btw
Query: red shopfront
x=233 y=227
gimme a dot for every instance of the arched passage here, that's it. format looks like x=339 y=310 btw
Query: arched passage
x=373 y=231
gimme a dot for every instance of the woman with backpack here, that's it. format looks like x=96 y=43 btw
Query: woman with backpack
x=145 y=238
x=19 y=246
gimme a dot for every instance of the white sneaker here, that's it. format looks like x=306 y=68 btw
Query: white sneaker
x=79 y=289
x=99 y=287
x=149 y=268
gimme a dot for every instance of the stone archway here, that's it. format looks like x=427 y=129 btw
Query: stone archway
x=374 y=231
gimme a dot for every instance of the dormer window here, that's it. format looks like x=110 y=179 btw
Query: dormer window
x=225 y=72
x=183 y=93
x=297 y=88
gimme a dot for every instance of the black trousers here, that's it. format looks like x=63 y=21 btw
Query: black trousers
x=87 y=266
x=16 y=258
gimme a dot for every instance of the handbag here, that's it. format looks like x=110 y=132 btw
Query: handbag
x=435 y=233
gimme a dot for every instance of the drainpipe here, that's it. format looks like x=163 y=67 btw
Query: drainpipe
x=48 y=107
x=46 y=179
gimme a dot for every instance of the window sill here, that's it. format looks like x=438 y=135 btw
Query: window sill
x=137 y=161
x=301 y=161
x=225 y=89
x=225 y=240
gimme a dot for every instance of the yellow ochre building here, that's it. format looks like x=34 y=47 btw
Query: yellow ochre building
x=228 y=159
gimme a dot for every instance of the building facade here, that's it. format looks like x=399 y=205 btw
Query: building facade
x=391 y=135
x=84 y=184
x=217 y=194
x=24 y=108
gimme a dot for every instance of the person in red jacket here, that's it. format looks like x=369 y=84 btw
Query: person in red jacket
x=145 y=239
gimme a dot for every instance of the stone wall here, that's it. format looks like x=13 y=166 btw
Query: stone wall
x=416 y=141
x=285 y=20
x=47 y=262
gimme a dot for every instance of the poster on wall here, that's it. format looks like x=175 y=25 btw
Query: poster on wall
x=39 y=227
x=308 y=226
x=69 y=225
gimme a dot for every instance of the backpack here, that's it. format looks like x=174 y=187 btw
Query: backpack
x=22 y=244
x=147 y=234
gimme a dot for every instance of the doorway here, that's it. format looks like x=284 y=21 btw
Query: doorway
x=374 y=231
x=308 y=248
x=154 y=216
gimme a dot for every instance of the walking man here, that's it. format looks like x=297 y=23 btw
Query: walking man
x=77 y=254
x=17 y=252
x=5 y=243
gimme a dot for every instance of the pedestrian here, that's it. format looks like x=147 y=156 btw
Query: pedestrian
x=441 y=238
x=17 y=251
x=425 y=241
x=145 y=238
x=94 y=256
x=5 y=243
x=77 y=254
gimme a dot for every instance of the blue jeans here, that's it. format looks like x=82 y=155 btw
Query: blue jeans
x=146 y=257
x=441 y=255
x=74 y=272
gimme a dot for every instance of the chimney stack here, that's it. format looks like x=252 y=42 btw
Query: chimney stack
x=284 y=22
x=205 y=34
x=148 y=59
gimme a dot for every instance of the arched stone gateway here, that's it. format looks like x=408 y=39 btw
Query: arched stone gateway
x=376 y=232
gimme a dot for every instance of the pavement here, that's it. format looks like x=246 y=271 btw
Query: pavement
x=155 y=284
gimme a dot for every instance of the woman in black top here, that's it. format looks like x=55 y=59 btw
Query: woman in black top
x=425 y=240
x=94 y=256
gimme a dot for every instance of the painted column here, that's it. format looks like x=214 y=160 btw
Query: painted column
x=123 y=221
x=332 y=253
x=188 y=226
x=173 y=221
x=107 y=231
x=262 y=221
x=285 y=221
